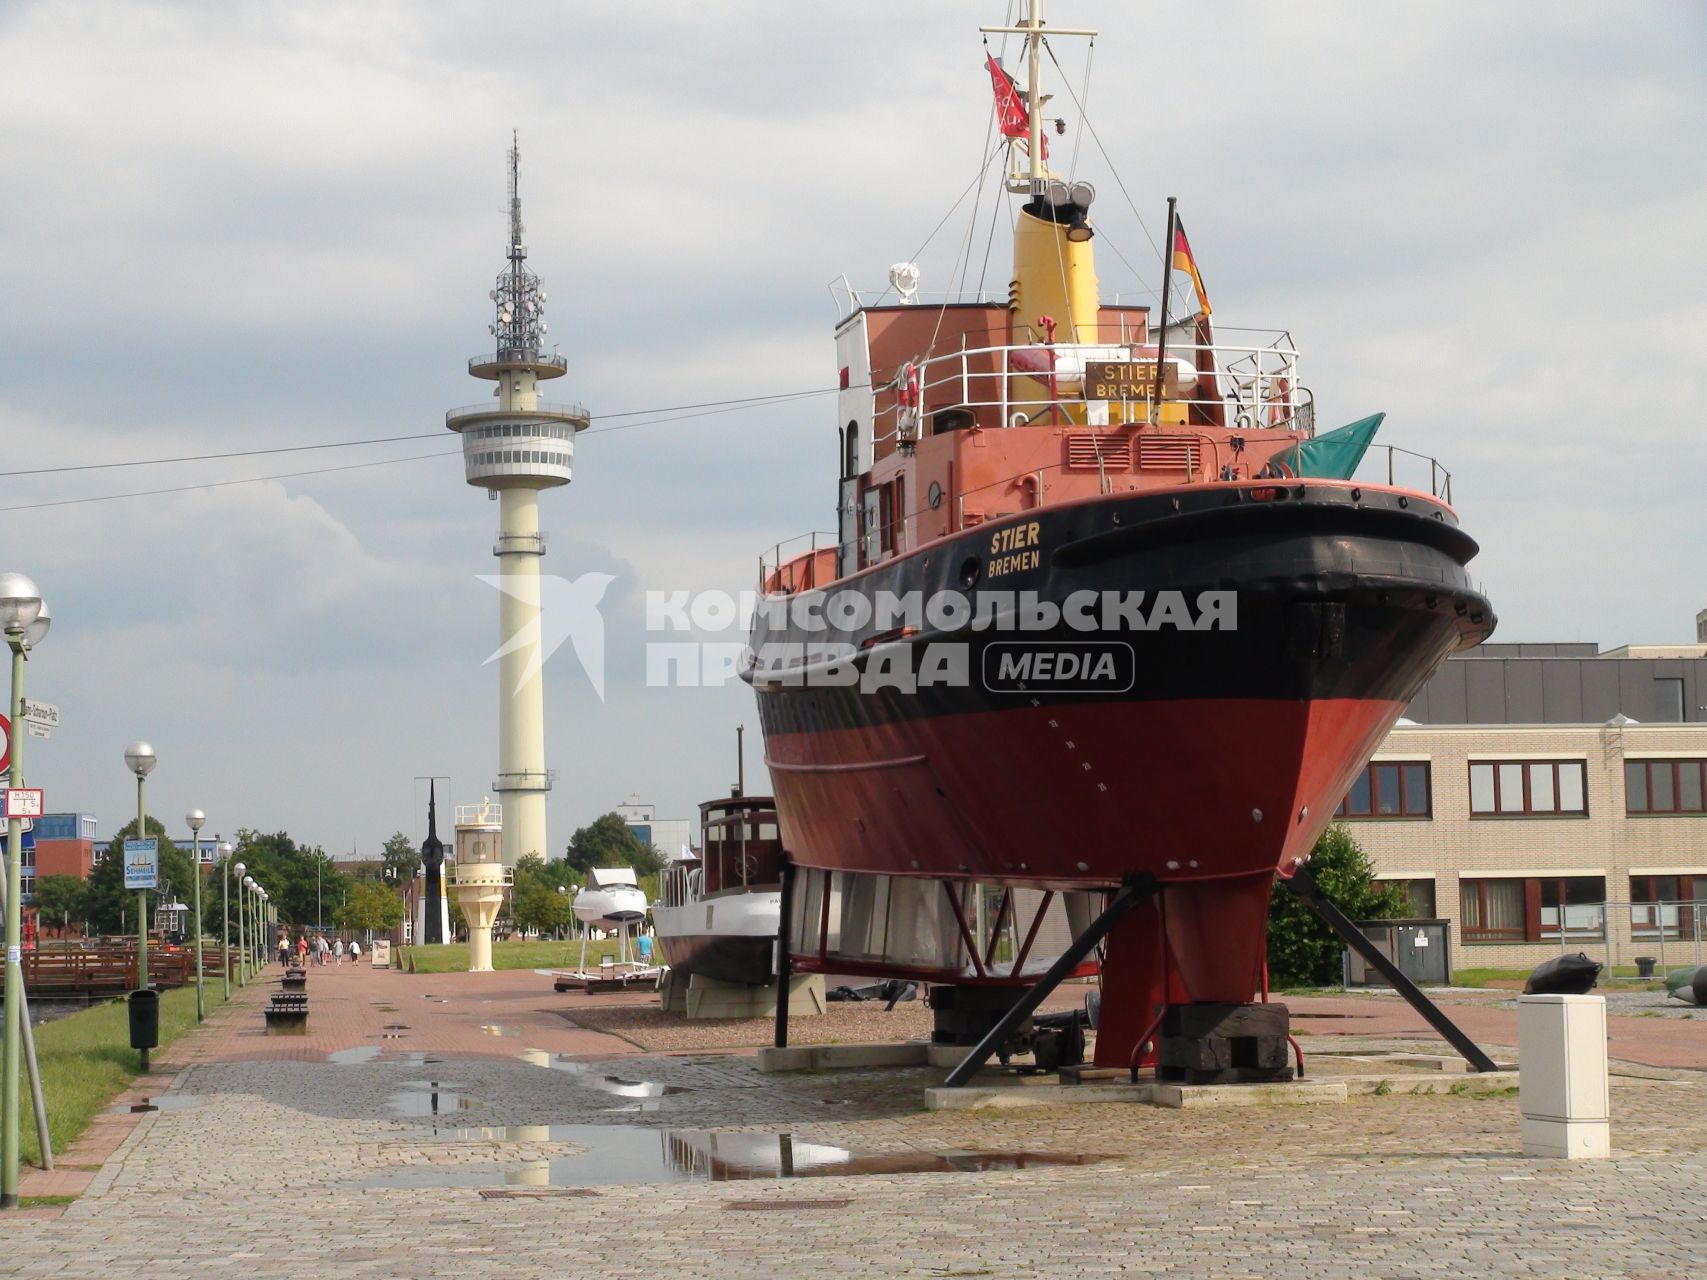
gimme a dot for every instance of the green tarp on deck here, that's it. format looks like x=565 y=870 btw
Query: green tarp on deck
x=1335 y=456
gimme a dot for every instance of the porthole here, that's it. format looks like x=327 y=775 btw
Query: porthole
x=933 y=495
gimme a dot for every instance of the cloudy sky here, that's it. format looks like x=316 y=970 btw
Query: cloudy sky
x=232 y=226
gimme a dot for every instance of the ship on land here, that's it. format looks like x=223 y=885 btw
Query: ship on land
x=720 y=907
x=1104 y=632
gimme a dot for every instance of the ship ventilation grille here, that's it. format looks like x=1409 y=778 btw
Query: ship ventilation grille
x=1082 y=451
x=1168 y=454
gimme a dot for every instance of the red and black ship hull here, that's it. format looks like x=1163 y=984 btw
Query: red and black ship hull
x=1212 y=758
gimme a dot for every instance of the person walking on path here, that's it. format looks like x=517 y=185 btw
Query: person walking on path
x=323 y=949
x=355 y=952
x=302 y=950
x=338 y=953
x=284 y=950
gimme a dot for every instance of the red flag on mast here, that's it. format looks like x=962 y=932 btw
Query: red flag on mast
x=1012 y=114
x=1183 y=261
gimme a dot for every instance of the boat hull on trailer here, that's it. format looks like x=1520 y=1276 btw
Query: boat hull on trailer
x=1210 y=755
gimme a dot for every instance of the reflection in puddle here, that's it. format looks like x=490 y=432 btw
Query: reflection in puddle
x=165 y=1102
x=597 y=1075
x=426 y=1098
x=629 y=1154
x=374 y=1053
x=361 y=1053
x=495 y=1029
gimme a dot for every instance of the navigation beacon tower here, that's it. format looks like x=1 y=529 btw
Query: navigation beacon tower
x=513 y=448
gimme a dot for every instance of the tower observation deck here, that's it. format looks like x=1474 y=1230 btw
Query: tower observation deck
x=514 y=446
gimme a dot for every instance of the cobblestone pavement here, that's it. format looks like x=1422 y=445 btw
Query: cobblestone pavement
x=569 y=1162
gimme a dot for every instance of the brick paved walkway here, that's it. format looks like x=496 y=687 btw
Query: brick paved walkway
x=283 y=1163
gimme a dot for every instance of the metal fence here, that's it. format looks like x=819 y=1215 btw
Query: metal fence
x=1619 y=934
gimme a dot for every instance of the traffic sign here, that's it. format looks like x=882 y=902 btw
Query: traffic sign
x=6 y=746
x=24 y=802
x=142 y=863
x=45 y=714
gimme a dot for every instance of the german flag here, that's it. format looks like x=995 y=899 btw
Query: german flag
x=1183 y=261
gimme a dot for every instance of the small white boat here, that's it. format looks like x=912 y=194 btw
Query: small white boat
x=611 y=899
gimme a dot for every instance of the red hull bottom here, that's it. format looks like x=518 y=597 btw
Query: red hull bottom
x=1211 y=796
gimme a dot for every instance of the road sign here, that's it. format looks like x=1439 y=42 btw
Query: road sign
x=45 y=714
x=142 y=863
x=6 y=732
x=24 y=802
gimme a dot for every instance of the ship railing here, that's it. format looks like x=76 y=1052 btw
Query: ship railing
x=849 y=299
x=794 y=563
x=1258 y=385
x=1403 y=466
x=1206 y=459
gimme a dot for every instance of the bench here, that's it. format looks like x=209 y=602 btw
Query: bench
x=287 y=1012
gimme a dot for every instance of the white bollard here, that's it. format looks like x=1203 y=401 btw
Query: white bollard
x=1562 y=1077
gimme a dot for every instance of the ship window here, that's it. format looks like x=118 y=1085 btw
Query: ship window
x=851 y=466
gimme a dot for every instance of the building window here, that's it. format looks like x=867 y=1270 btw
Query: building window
x=1668 y=906
x=1389 y=790
x=1533 y=909
x=1668 y=699
x=1664 y=786
x=1419 y=897
x=1528 y=787
x=1577 y=905
x=1493 y=910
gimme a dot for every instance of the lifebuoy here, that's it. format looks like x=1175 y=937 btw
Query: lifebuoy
x=1279 y=409
x=907 y=386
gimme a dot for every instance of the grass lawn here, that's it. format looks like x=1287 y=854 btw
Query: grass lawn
x=452 y=957
x=86 y=1061
x=1489 y=977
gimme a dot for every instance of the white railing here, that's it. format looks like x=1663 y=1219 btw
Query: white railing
x=1259 y=384
x=491 y=407
x=792 y=549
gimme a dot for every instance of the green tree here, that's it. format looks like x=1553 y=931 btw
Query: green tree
x=59 y=899
x=541 y=897
x=288 y=872
x=1302 y=950
x=611 y=842
x=108 y=906
x=369 y=905
x=400 y=859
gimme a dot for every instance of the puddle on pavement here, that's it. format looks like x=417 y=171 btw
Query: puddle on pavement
x=165 y=1102
x=597 y=1075
x=375 y=1053
x=426 y=1098
x=498 y=1029
x=629 y=1154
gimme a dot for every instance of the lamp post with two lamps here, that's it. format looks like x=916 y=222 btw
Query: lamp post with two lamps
x=237 y=871
x=25 y=619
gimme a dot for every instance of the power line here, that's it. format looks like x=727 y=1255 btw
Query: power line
x=714 y=406
x=221 y=484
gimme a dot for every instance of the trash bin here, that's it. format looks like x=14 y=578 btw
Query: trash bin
x=144 y=1019
x=1645 y=966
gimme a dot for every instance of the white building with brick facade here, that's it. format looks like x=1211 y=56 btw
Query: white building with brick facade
x=1549 y=797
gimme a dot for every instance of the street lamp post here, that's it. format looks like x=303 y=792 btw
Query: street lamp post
x=237 y=870
x=25 y=620
x=197 y=819
x=140 y=758
x=223 y=850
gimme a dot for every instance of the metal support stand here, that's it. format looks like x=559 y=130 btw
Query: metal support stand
x=1130 y=894
x=784 y=965
x=1304 y=887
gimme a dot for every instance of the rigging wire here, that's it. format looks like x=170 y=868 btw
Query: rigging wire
x=1109 y=160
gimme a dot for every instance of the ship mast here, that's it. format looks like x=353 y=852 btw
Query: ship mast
x=1033 y=31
